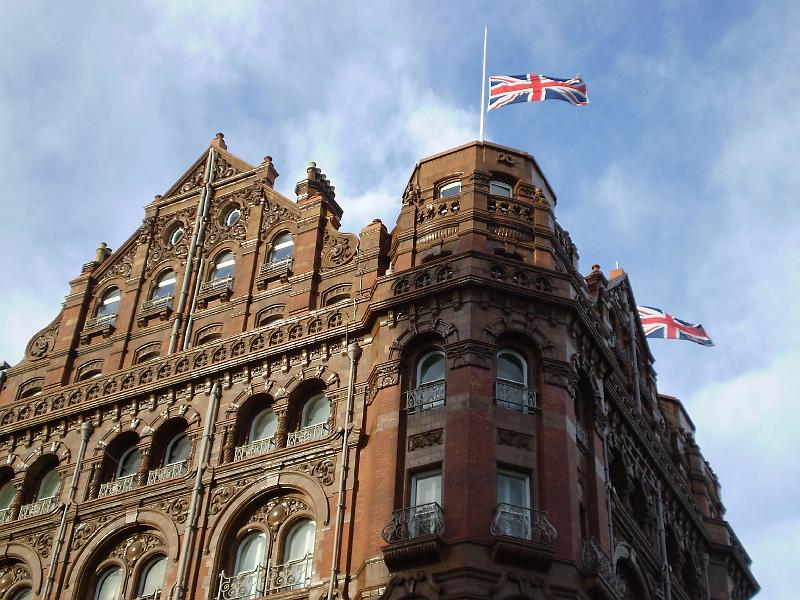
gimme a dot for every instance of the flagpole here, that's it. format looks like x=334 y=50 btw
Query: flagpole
x=483 y=79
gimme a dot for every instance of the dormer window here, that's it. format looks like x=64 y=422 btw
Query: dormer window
x=450 y=189
x=500 y=188
x=224 y=267
x=232 y=217
x=165 y=286
x=282 y=248
x=109 y=303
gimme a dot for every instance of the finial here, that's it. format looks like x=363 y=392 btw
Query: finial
x=596 y=268
x=219 y=141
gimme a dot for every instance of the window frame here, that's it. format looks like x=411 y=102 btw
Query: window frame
x=159 y=283
x=122 y=458
x=141 y=576
x=275 y=247
x=525 y=371
x=449 y=185
x=251 y=433
x=105 y=300
x=102 y=574
x=422 y=359
x=173 y=441
x=499 y=183
x=514 y=474
x=229 y=212
x=314 y=399
x=219 y=263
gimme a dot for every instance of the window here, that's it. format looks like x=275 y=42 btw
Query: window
x=23 y=594
x=33 y=390
x=430 y=368
x=511 y=387
x=165 y=286
x=177 y=450
x=251 y=553
x=316 y=411
x=109 y=584
x=426 y=500
x=232 y=217
x=450 y=189
x=430 y=390
x=513 y=514
x=129 y=463
x=152 y=578
x=90 y=374
x=282 y=248
x=264 y=426
x=109 y=304
x=223 y=267
x=512 y=367
x=176 y=236
x=48 y=485
x=7 y=493
x=297 y=555
x=500 y=188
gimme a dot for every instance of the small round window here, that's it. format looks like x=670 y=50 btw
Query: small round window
x=233 y=216
x=176 y=236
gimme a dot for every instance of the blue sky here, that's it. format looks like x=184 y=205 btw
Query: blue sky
x=684 y=167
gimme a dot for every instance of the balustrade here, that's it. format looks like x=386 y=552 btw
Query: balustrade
x=514 y=396
x=523 y=523
x=123 y=484
x=262 y=581
x=40 y=507
x=425 y=397
x=152 y=596
x=254 y=449
x=307 y=434
x=5 y=515
x=172 y=471
x=414 y=521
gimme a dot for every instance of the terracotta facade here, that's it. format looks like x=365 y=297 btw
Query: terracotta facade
x=257 y=404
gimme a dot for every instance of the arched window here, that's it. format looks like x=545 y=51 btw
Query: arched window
x=152 y=578
x=264 y=426
x=165 y=286
x=450 y=189
x=512 y=367
x=282 y=248
x=316 y=411
x=23 y=594
x=109 y=584
x=297 y=554
x=500 y=188
x=177 y=450
x=511 y=386
x=223 y=267
x=109 y=303
x=7 y=493
x=48 y=485
x=430 y=378
x=247 y=580
x=129 y=463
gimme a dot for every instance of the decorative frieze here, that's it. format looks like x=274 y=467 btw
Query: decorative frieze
x=506 y=437
x=425 y=439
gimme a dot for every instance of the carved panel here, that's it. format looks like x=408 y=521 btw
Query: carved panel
x=135 y=546
x=324 y=470
x=425 y=439
x=514 y=439
x=338 y=249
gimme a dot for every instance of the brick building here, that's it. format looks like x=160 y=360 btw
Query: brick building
x=242 y=401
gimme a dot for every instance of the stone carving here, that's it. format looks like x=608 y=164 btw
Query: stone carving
x=216 y=230
x=324 y=470
x=466 y=354
x=121 y=266
x=222 y=495
x=85 y=530
x=135 y=546
x=431 y=211
x=513 y=584
x=425 y=439
x=40 y=346
x=177 y=508
x=338 y=249
x=387 y=375
x=42 y=543
x=11 y=574
x=273 y=213
x=277 y=510
x=514 y=439
x=162 y=249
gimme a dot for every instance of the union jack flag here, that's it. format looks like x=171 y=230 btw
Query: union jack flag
x=508 y=89
x=658 y=324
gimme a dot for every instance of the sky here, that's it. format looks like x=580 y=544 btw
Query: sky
x=682 y=168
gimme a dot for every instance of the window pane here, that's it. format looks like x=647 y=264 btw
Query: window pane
x=224 y=266
x=282 y=247
x=451 y=189
x=251 y=553
x=513 y=488
x=510 y=367
x=49 y=485
x=165 y=286
x=178 y=449
x=129 y=463
x=264 y=426
x=109 y=304
x=431 y=368
x=233 y=217
x=7 y=493
x=316 y=411
x=23 y=594
x=176 y=236
x=426 y=488
x=110 y=585
x=153 y=576
x=498 y=188
x=300 y=541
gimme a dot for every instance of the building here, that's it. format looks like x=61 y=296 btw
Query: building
x=242 y=401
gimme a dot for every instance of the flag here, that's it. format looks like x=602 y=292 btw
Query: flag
x=508 y=89
x=658 y=324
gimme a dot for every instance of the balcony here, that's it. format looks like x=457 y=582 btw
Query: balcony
x=271 y=271
x=413 y=535
x=168 y=472
x=307 y=434
x=155 y=307
x=40 y=507
x=262 y=581
x=524 y=535
x=153 y=596
x=216 y=289
x=118 y=486
x=426 y=397
x=514 y=396
x=5 y=515
x=104 y=325
x=254 y=449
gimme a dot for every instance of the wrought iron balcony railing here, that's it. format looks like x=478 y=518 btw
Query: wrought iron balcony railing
x=276 y=267
x=156 y=304
x=426 y=396
x=172 y=471
x=123 y=484
x=152 y=596
x=413 y=522
x=100 y=322
x=40 y=507
x=581 y=435
x=514 y=396
x=254 y=448
x=216 y=285
x=523 y=523
x=307 y=434
x=261 y=581
x=5 y=515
